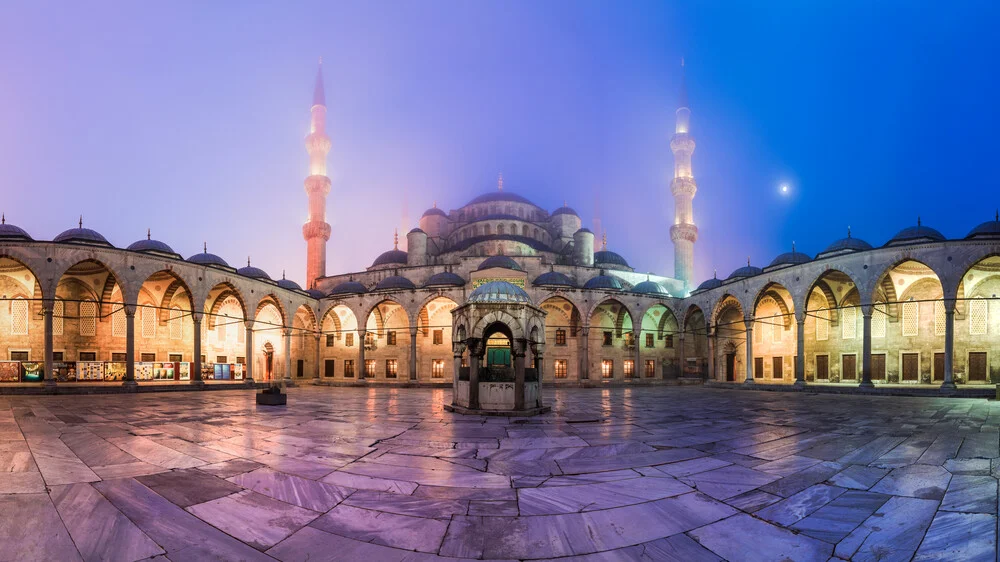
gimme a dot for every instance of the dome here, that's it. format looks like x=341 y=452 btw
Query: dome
x=847 y=245
x=445 y=279
x=709 y=284
x=349 y=288
x=434 y=211
x=150 y=245
x=392 y=257
x=499 y=292
x=603 y=282
x=82 y=236
x=253 y=272
x=650 y=288
x=394 y=282
x=607 y=257
x=504 y=262
x=554 y=279
x=315 y=293
x=564 y=210
x=288 y=284
x=11 y=232
x=919 y=233
x=587 y=230
x=499 y=196
x=206 y=258
x=790 y=258
x=989 y=229
x=745 y=271
x=416 y=231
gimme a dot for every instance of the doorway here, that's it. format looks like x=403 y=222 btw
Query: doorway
x=731 y=367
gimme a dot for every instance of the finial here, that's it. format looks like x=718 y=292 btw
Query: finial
x=715 y=274
x=647 y=276
x=80 y=224
x=564 y=203
x=500 y=182
x=395 y=239
x=848 y=231
x=204 y=247
x=996 y=217
x=248 y=261
x=435 y=204
x=918 y=221
x=283 y=271
x=748 y=261
x=604 y=240
x=3 y=218
x=321 y=60
x=793 y=246
x=148 y=237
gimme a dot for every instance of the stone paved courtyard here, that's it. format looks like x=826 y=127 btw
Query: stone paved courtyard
x=661 y=473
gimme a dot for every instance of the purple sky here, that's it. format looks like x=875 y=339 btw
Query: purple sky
x=188 y=118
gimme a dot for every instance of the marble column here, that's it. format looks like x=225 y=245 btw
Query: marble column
x=949 y=345
x=748 y=322
x=681 y=355
x=585 y=353
x=361 y=354
x=48 y=305
x=129 y=345
x=637 y=358
x=800 y=346
x=413 y=353
x=248 y=374
x=866 y=347
x=457 y=350
x=287 y=332
x=319 y=362
x=519 y=375
x=473 y=376
x=710 y=336
x=196 y=360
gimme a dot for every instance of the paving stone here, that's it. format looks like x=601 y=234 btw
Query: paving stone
x=189 y=487
x=969 y=537
x=918 y=481
x=971 y=494
x=727 y=538
x=893 y=532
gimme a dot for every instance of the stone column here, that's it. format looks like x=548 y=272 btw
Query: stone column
x=748 y=322
x=711 y=352
x=361 y=354
x=457 y=349
x=949 y=345
x=539 y=351
x=585 y=353
x=248 y=374
x=519 y=375
x=637 y=360
x=413 y=353
x=287 y=332
x=196 y=363
x=473 y=375
x=681 y=356
x=47 y=308
x=129 y=345
x=319 y=361
x=800 y=346
x=866 y=347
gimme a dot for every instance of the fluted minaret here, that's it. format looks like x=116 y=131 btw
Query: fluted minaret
x=316 y=231
x=683 y=233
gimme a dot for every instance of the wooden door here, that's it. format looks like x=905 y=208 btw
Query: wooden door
x=938 y=366
x=977 y=366
x=776 y=368
x=758 y=367
x=878 y=367
x=730 y=367
x=911 y=367
x=300 y=368
x=328 y=367
x=822 y=367
x=849 y=363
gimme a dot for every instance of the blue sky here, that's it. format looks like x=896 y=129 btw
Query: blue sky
x=188 y=118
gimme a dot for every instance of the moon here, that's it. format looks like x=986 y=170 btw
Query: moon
x=784 y=189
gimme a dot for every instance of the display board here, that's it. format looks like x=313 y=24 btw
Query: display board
x=64 y=371
x=114 y=371
x=10 y=371
x=184 y=371
x=144 y=371
x=32 y=371
x=89 y=370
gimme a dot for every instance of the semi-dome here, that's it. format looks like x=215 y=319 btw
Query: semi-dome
x=253 y=272
x=988 y=229
x=315 y=293
x=553 y=279
x=82 y=235
x=919 y=233
x=603 y=282
x=650 y=288
x=505 y=262
x=394 y=282
x=709 y=284
x=11 y=232
x=349 y=288
x=745 y=271
x=152 y=246
x=205 y=258
x=499 y=292
x=845 y=245
x=445 y=279
x=392 y=257
x=607 y=257
x=790 y=258
x=564 y=210
x=494 y=196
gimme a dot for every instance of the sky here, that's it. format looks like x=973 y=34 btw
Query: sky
x=188 y=119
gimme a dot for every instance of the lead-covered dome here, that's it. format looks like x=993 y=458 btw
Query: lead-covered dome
x=650 y=288
x=349 y=288
x=149 y=245
x=206 y=258
x=607 y=257
x=564 y=210
x=445 y=279
x=553 y=279
x=790 y=258
x=745 y=271
x=288 y=283
x=988 y=229
x=11 y=232
x=499 y=292
x=603 y=282
x=494 y=196
x=434 y=211
x=913 y=234
x=315 y=293
x=845 y=245
x=253 y=272
x=82 y=235
x=392 y=257
x=394 y=282
x=709 y=284
x=504 y=262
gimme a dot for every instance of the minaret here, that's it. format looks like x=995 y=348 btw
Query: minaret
x=316 y=231
x=683 y=233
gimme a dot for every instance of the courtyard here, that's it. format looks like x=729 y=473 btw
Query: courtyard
x=660 y=473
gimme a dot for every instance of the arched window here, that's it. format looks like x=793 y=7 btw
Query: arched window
x=19 y=317
x=822 y=325
x=88 y=318
x=524 y=230
x=849 y=323
x=118 y=322
x=513 y=229
x=500 y=229
x=911 y=318
x=939 y=318
x=879 y=318
x=537 y=235
x=148 y=318
x=978 y=316
x=176 y=324
x=489 y=230
x=58 y=314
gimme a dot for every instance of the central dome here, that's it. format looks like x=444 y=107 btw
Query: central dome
x=504 y=262
x=499 y=292
x=494 y=196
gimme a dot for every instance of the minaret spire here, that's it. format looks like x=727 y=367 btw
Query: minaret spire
x=683 y=232
x=316 y=231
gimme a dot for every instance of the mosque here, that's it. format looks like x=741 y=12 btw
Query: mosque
x=496 y=288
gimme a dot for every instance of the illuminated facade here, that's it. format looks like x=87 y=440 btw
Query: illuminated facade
x=921 y=309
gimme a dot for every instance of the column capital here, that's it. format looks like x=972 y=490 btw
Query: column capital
x=129 y=310
x=748 y=321
x=949 y=306
x=197 y=316
x=287 y=332
x=866 y=310
x=248 y=324
x=413 y=330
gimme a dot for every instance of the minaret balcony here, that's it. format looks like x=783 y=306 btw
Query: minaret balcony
x=316 y=229
x=318 y=185
x=688 y=232
x=683 y=187
x=682 y=142
x=317 y=142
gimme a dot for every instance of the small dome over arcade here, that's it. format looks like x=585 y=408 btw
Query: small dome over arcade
x=553 y=279
x=445 y=279
x=288 y=283
x=844 y=246
x=394 y=282
x=790 y=258
x=253 y=272
x=988 y=229
x=605 y=282
x=11 y=232
x=148 y=245
x=205 y=258
x=82 y=235
x=395 y=256
x=499 y=292
x=501 y=261
x=915 y=234
x=710 y=284
x=648 y=287
x=315 y=293
x=349 y=288
x=745 y=271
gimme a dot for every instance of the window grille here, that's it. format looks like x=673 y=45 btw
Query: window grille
x=911 y=318
x=649 y=340
x=438 y=337
x=560 y=368
x=978 y=316
x=650 y=368
x=58 y=312
x=18 y=317
x=560 y=337
x=940 y=321
x=390 y=368
x=88 y=318
x=629 y=368
x=118 y=326
x=849 y=323
x=176 y=324
x=822 y=325
x=607 y=368
x=437 y=369
x=880 y=318
x=148 y=322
